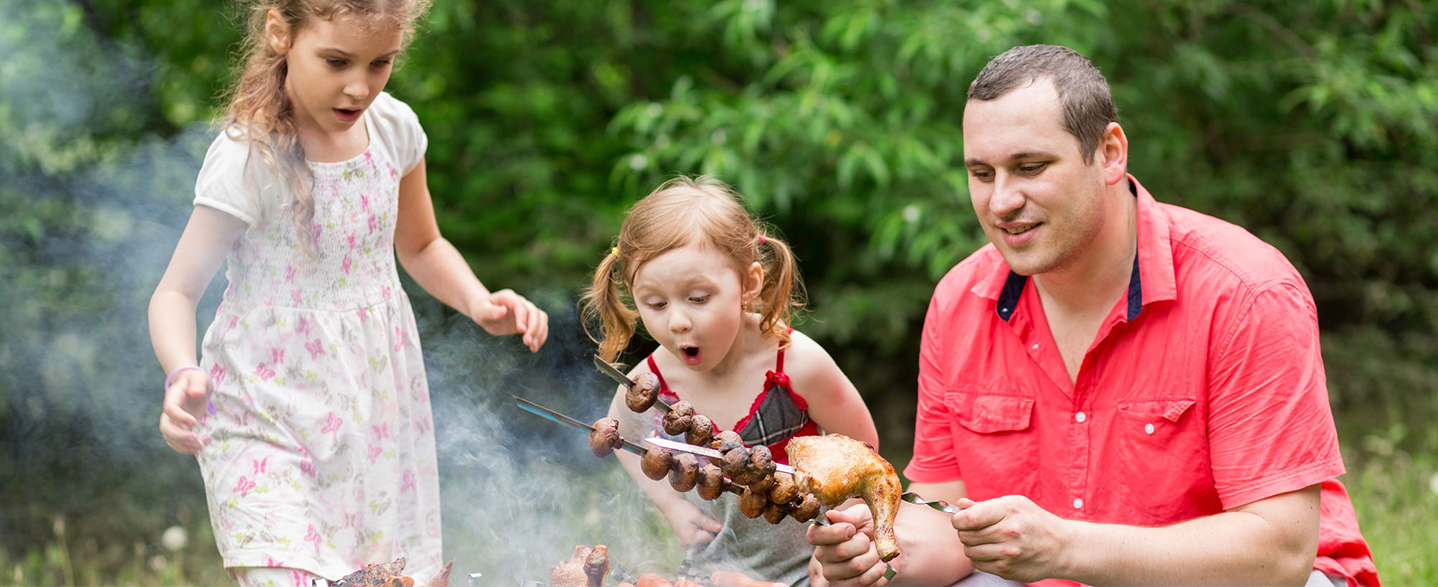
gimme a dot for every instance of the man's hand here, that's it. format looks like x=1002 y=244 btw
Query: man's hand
x=1011 y=537
x=844 y=552
x=505 y=312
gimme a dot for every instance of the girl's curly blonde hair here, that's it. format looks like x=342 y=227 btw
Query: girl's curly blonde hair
x=675 y=214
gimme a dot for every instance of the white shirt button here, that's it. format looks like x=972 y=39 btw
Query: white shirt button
x=1148 y=428
x=1080 y=417
x=1078 y=503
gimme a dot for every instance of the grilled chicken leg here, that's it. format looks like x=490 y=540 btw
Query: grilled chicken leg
x=835 y=467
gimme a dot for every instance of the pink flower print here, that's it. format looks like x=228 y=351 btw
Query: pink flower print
x=398 y=339
x=278 y=356
x=373 y=223
x=352 y=241
x=244 y=487
x=304 y=327
x=313 y=536
x=374 y=452
x=408 y=483
x=290 y=273
x=316 y=348
x=260 y=465
x=299 y=578
x=352 y=520
x=295 y=297
x=363 y=313
x=307 y=468
x=381 y=432
x=315 y=230
x=384 y=292
x=348 y=261
x=364 y=205
x=264 y=373
x=217 y=373
x=269 y=562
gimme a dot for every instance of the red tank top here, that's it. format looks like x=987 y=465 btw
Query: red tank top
x=776 y=415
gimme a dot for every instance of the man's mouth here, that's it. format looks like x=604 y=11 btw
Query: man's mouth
x=1020 y=229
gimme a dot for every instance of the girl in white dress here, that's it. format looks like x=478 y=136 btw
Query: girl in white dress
x=309 y=408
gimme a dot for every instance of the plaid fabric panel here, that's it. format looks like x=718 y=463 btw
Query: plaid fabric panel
x=776 y=419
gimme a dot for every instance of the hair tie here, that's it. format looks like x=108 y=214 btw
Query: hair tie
x=762 y=240
x=614 y=251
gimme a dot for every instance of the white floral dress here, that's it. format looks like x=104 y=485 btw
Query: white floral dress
x=321 y=450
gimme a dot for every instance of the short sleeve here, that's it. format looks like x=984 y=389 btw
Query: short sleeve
x=1270 y=426
x=398 y=129
x=934 y=457
x=222 y=184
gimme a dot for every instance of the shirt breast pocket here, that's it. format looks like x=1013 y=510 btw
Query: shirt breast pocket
x=993 y=436
x=1162 y=455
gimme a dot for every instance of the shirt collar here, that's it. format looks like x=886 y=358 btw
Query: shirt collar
x=1155 y=282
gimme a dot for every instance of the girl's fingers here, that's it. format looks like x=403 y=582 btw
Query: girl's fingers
x=179 y=417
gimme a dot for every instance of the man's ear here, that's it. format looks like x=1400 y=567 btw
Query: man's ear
x=277 y=33
x=1113 y=154
x=753 y=282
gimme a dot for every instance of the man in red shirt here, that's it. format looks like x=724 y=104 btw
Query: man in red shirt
x=1115 y=391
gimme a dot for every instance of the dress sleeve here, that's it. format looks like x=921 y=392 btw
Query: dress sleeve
x=222 y=183
x=933 y=460
x=1270 y=426
x=400 y=128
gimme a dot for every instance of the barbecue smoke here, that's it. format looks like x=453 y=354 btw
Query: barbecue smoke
x=91 y=207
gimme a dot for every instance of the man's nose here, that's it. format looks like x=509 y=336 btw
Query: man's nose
x=1007 y=198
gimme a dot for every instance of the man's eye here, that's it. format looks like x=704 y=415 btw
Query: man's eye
x=982 y=175
x=1032 y=168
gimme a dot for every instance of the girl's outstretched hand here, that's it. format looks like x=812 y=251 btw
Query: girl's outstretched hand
x=505 y=312
x=184 y=408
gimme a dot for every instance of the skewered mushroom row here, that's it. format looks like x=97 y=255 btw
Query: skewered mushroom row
x=751 y=473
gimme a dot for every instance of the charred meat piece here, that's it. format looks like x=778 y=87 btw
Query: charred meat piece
x=605 y=437
x=685 y=473
x=657 y=462
x=641 y=396
x=679 y=418
x=596 y=566
x=374 y=575
x=586 y=568
x=701 y=430
x=835 y=467
x=807 y=509
x=711 y=482
x=752 y=503
x=440 y=579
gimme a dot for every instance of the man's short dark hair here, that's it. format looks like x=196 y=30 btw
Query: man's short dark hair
x=1083 y=91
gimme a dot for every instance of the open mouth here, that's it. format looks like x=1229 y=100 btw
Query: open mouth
x=1021 y=229
x=348 y=114
x=691 y=355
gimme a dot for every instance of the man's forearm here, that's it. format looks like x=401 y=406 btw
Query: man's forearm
x=1270 y=542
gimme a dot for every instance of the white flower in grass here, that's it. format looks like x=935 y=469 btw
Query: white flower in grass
x=174 y=538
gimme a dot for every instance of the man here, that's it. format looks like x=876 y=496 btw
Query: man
x=1115 y=391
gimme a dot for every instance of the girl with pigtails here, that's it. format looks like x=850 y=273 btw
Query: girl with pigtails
x=309 y=407
x=717 y=293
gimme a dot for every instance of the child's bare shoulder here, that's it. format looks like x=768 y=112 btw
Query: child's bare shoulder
x=806 y=361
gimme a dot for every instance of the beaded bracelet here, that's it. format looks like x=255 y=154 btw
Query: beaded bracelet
x=171 y=376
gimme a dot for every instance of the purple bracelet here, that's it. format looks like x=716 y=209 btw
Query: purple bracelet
x=171 y=376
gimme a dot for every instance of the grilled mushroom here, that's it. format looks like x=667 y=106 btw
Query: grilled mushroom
x=657 y=462
x=685 y=473
x=752 y=503
x=679 y=418
x=701 y=430
x=641 y=396
x=711 y=482
x=605 y=437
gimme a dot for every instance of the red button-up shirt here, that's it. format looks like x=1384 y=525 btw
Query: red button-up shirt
x=1204 y=389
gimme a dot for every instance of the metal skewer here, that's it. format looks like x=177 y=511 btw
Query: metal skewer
x=622 y=379
x=554 y=416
